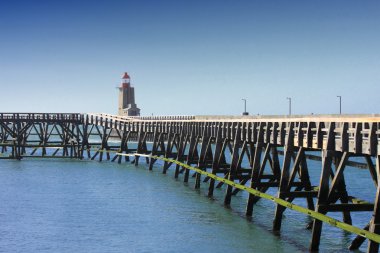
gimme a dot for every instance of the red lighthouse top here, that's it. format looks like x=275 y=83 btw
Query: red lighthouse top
x=126 y=80
x=126 y=76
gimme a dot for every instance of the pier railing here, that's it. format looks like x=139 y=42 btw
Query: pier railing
x=356 y=137
x=78 y=117
x=145 y=118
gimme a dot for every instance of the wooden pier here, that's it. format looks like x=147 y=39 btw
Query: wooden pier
x=219 y=145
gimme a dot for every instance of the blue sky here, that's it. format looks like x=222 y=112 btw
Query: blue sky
x=191 y=57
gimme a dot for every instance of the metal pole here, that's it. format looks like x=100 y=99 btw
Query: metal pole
x=245 y=106
x=340 y=104
x=290 y=105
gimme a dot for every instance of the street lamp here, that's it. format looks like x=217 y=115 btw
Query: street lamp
x=340 y=104
x=245 y=106
x=290 y=105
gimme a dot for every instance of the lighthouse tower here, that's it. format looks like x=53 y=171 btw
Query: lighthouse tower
x=127 y=105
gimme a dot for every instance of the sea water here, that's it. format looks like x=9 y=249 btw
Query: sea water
x=57 y=205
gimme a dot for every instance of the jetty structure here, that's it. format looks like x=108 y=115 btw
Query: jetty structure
x=235 y=153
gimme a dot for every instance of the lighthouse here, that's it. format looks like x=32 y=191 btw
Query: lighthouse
x=127 y=105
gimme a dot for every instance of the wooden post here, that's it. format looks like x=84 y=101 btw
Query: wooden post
x=217 y=157
x=255 y=167
x=234 y=164
x=288 y=153
x=327 y=157
x=374 y=226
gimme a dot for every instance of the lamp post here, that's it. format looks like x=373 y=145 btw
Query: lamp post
x=340 y=104
x=245 y=106
x=290 y=105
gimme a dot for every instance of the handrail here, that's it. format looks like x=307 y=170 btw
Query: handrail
x=41 y=116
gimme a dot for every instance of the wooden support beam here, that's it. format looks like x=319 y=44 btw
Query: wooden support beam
x=288 y=153
x=255 y=168
x=192 y=153
x=327 y=157
x=374 y=226
x=220 y=146
x=234 y=163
